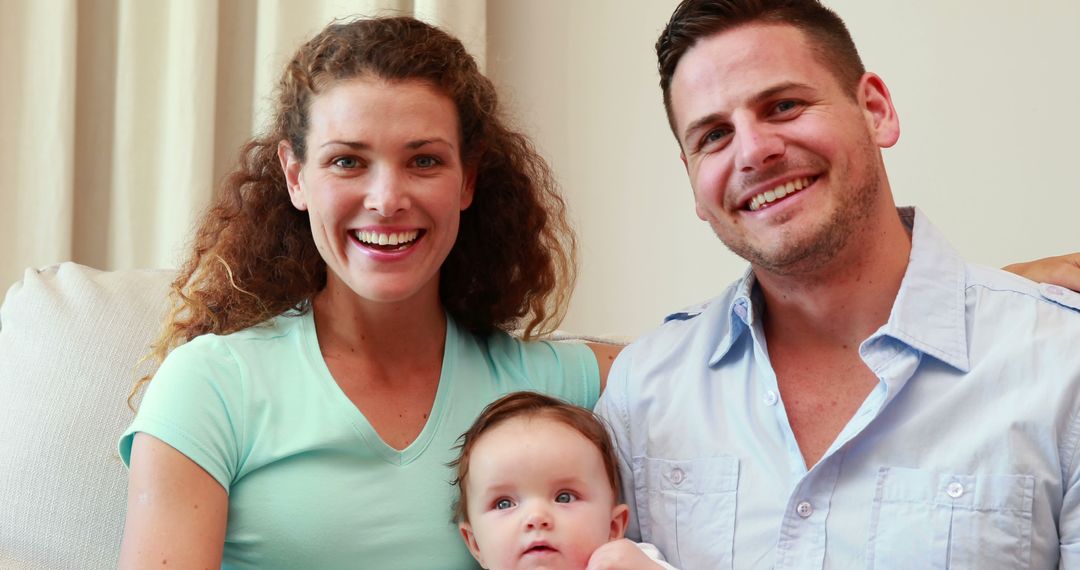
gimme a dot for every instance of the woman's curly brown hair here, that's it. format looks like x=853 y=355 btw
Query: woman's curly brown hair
x=253 y=255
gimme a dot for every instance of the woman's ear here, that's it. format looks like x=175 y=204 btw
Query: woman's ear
x=291 y=165
x=620 y=517
x=468 y=188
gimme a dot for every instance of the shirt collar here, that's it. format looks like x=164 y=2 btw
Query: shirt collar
x=929 y=313
x=738 y=316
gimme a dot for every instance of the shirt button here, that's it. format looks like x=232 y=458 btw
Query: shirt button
x=1053 y=290
x=770 y=398
x=804 y=509
x=740 y=310
x=955 y=490
x=677 y=475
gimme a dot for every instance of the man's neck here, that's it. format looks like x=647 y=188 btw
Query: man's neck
x=847 y=299
x=815 y=322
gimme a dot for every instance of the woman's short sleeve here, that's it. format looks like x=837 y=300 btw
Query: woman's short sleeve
x=193 y=404
x=566 y=370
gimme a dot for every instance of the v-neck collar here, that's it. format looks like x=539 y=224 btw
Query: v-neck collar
x=360 y=423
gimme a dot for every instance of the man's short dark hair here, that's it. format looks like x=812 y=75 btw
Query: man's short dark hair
x=694 y=20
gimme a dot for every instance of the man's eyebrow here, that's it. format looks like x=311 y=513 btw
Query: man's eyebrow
x=768 y=93
x=706 y=120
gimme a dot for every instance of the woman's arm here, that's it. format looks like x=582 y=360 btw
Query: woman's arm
x=176 y=512
x=605 y=355
x=1061 y=270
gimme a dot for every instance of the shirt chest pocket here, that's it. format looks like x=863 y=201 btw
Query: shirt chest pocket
x=687 y=508
x=923 y=519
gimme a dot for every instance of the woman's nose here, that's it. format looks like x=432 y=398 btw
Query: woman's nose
x=387 y=193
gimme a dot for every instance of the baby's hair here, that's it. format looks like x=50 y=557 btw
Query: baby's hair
x=532 y=405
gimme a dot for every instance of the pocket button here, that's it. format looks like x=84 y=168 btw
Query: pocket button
x=955 y=490
x=677 y=475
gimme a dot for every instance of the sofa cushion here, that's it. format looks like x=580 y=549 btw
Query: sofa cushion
x=70 y=341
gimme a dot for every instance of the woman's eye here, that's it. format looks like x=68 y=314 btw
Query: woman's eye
x=503 y=504
x=426 y=161
x=346 y=162
x=564 y=497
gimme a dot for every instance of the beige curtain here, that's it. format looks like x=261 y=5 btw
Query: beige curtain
x=119 y=117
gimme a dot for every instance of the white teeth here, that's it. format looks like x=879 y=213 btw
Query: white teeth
x=777 y=193
x=379 y=238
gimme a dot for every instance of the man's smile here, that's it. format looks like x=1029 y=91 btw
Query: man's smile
x=766 y=198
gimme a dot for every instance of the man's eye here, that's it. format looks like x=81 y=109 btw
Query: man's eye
x=346 y=162
x=426 y=161
x=564 y=497
x=713 y=136
x=785 y=106
x=503 y=504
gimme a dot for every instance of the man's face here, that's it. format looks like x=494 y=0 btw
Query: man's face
x=783 y=161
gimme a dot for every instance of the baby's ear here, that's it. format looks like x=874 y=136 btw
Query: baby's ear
x=620 y=517
x=470 y=541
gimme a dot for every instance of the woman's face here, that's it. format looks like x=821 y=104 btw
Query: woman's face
x=383 y=185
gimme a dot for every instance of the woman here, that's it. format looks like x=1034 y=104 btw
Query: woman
x=343 y=312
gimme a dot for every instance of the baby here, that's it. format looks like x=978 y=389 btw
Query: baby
x=540 y=489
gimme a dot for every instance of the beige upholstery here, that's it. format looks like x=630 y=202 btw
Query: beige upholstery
x=70 y=338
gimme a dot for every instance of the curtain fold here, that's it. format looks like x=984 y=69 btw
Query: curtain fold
x=121 y=117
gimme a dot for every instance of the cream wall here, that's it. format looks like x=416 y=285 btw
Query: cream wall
x=984 y=89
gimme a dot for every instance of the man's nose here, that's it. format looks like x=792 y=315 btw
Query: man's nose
x=757 y=144
x=387 y=192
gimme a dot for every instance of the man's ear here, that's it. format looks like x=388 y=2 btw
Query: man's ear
x=701 y=213
x=620 y=517
x=470 y=541
x=877 y=105
x=291 y=165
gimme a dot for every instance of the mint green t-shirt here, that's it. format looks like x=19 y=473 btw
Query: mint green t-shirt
x=310 y=483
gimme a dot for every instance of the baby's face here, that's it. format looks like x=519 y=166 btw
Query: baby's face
x=538 y=497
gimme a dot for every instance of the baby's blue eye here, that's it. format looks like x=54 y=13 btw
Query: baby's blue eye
x=564 y=497
x=503 y=504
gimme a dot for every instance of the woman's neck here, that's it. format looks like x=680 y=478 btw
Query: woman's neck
x=351 y=327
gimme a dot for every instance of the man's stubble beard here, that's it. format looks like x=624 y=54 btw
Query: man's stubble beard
x=820 y=246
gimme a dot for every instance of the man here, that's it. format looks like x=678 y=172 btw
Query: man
x=862 y=397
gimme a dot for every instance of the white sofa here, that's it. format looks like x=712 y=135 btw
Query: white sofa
x=70 y=340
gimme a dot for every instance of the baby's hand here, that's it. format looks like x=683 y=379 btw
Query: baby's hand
x=620 y=554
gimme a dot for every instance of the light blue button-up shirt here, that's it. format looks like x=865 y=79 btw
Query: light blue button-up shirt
x=963 y=456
